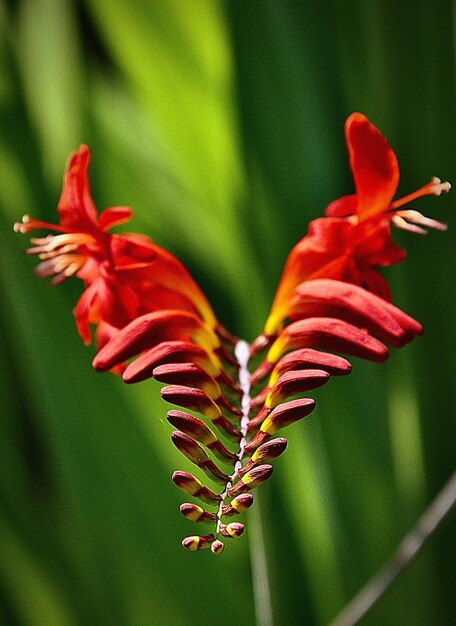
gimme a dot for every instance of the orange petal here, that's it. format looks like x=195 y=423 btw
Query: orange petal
x=373 y=164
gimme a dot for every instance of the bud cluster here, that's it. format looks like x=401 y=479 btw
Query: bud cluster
x=234 y=439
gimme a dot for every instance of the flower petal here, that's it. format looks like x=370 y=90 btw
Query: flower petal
x=114 y=216
x=342 y=207
x=76 y=209
x=82 y=310
x=145 y=267
x=373 y=164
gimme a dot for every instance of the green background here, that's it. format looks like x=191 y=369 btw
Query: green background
x=221 y=124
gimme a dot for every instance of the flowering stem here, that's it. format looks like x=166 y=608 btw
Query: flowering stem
x=260 y=577
x=405 y=553
x=242 y=354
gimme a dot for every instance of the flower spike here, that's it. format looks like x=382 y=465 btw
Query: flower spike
x=153 y=321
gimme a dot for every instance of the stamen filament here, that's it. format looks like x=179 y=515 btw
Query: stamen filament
x=30 y=223
x=435 y=187
x=51 y=242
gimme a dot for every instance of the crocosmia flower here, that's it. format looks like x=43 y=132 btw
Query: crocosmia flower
x=124 y=275
x=354 y=238
x=331 y=303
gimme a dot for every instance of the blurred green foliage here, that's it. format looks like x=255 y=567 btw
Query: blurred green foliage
x=221 y=124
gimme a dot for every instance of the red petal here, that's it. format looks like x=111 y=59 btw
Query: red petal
x=373 y=164
x=376 y=246
x=114 y=216
x=149 y=268
x=322 y=252
x=82 y=310
x=76 y=209
x=342 y=207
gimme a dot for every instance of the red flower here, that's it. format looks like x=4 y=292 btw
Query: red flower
x=125 y=276
x=355 y=236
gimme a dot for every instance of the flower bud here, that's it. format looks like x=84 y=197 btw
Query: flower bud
x=307 y=358
x=189 y=375
x=239 y=504
x=195 y=513
x=196 y=428
x=328 y=333
x=233 y=530
x=257 y=476
x=191 y=485
x=295 y=382
x=196 y=542
x=217 y=547
x=197 y=400
x=196 y=454
x=170 y=352
x=265 y=453
x=282 y=416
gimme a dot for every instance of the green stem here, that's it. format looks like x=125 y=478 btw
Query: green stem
x=259 y=564
x=408 y=549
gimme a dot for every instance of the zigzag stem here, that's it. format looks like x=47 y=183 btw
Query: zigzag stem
x=242 y=354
